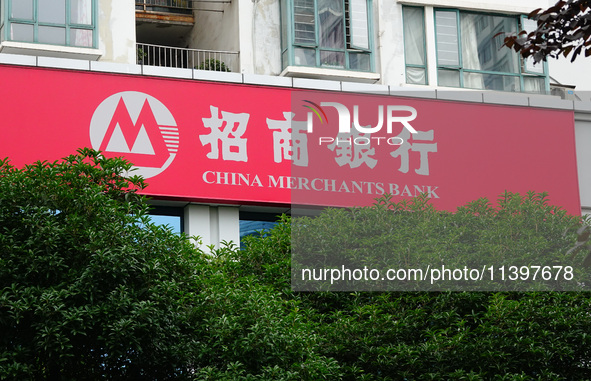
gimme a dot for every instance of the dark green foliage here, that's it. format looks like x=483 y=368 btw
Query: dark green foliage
x=439 y=335
x=562 y=29
x=89 y=289
x=251 y=327
x=519 y=231
x=414 y=335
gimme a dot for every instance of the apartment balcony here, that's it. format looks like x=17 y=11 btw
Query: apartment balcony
x=164 y=22
x=168 y=56
x=153 y=15
x=166 y=7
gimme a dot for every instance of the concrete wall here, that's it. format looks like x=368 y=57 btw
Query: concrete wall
x=116 y=26
x=265 y=34
x=389 y=57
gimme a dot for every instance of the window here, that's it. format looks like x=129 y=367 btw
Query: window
x=55 y=22
x=168 y=216
x=326 y=33
x=256 y=224
x=413 y=19
x=470 y=53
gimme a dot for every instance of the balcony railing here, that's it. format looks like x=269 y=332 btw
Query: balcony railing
x=167 y=56
x=167 y=6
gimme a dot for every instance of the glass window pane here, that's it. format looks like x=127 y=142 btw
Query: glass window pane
x=251 y=227
x=81 y=12
x=446 y=31
x=491 y=82
x=358 y=24
x=52 y=11
x=473 y=81
x=172 y=222
x=81 y=37
x=509 y=83
x=534 y=85
x=416 y=75
x=482 y=43
x=304 y=22
x=21 y=32
x=52 y=35
x=450 y=78
x=331 y=22
x=414 y=35
x=305 y=57
x=22 y=9
x=332 y=59
x=529 y=26
x=254 y=228
x=359 y=61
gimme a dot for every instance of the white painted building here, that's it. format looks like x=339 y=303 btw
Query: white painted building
x=420 y=47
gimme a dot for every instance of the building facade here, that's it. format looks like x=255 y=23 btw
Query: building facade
x=432 y=54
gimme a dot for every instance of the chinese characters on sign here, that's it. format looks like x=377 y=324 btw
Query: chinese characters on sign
x=422 y=148
x=290 y=142
x=228 y=132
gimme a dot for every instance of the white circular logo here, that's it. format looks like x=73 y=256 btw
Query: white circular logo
x=138 y=127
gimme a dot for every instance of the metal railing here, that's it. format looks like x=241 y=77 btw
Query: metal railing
x=167 y=6
x=168 y=56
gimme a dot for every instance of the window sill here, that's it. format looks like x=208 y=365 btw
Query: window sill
x=31 y=49
x=332 y=74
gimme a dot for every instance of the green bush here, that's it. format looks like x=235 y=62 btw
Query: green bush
x=520 y=231
x=432 y=335
x=88 y=286
x=214 y=65
x=89 y=289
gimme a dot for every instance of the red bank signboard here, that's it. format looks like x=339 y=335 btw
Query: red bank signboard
x=232 y=143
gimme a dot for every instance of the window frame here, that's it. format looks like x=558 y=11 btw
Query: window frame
x=67 y=25
x=288 y=43
x=2 y=13
x=522 y=72
x=406 y=64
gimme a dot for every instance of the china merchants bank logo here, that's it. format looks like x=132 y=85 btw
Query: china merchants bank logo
x=138 y=127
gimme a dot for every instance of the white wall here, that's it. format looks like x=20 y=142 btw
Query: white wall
x=116 y=26
x=389 y=43
x=213 y=224
x=265 y=34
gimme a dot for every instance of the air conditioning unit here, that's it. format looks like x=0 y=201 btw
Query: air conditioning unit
x=563 y=91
